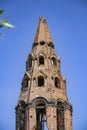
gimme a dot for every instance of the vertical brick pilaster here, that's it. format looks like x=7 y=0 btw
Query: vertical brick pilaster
x=32 y=116
x=68 y=120
x=51 y=118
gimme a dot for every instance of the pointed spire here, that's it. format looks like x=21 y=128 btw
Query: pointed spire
x=43 y=33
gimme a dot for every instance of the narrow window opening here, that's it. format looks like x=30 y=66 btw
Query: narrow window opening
x=51 y=45
x=42 y=43
x=41 y=117
x=21 y=115
x=30 y=62
x=57 y=82
x=40 y=81
x=60 y=117
x=34 y=45
x=41 y=60
x=21 y=128
x=54 y=62
x=25 y=84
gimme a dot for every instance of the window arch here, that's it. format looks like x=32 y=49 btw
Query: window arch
x=57 y=82
x=41 y=60
x=60 y=116
x=40 y=81
x=54 y=62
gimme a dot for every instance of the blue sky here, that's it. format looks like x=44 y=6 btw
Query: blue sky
x=67 y=20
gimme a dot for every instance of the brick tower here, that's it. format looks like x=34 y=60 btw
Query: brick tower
x=43 y=102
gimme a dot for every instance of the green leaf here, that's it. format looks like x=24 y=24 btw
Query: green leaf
x=8 y=24
x=5 y=23
x=1 y=12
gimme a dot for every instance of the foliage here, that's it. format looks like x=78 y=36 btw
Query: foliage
x=5 y=23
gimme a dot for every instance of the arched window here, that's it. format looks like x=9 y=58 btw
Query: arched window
x=30 y=62
x=40 y=116
x=54 y=62
x=25 y=84
x=60 y=116
x=42 y=43
x=41 y=60
x=34 y=44
x=40 y=81
x=21 y=115
x=51 y=45
x=57 y=82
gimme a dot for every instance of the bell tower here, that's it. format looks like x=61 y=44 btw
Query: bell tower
x=43 y=103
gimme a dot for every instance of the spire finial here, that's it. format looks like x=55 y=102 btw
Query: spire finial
x=42 y=33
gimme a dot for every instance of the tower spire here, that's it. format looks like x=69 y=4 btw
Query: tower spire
x=43 y=98
x=42 y=33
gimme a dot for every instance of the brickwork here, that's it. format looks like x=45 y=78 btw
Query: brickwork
x=68 y=120
x=43 y=87
x=51 y=118
x=32 y=121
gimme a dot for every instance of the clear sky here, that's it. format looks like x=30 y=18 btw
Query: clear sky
x=67 y=20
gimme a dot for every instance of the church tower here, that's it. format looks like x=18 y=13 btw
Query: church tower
x=43 y=103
